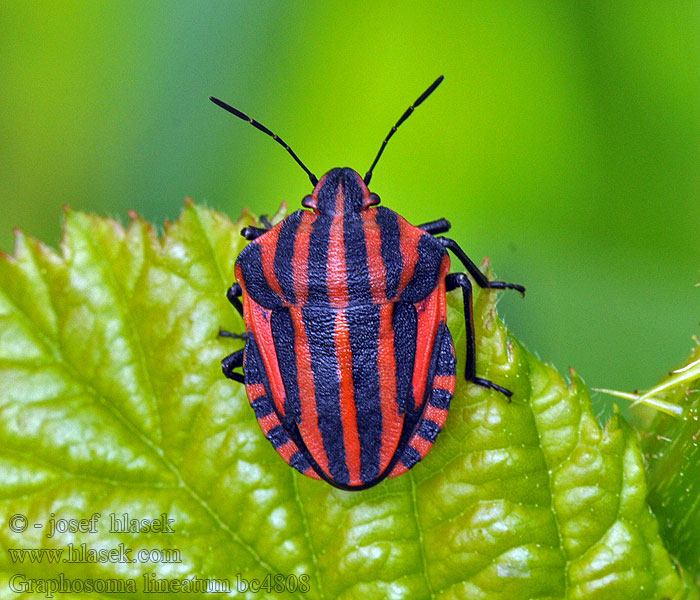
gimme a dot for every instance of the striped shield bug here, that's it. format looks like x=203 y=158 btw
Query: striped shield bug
x=348 y=361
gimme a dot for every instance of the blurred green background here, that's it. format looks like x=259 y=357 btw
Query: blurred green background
x=564 y=142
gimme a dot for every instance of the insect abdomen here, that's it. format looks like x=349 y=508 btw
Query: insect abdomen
x=347 y=411
x=342 y=384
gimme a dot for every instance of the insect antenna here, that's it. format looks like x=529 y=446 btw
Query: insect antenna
x=261 y=127
x=404 y=116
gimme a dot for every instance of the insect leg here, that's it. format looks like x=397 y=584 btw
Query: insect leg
x=435 y=227
x=230 y=334
x=479 y=277
x=233 y=294
x=453 y=281
x=253 y=233
x=231 y=362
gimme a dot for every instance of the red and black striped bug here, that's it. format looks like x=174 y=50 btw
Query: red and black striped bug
x=348 y=362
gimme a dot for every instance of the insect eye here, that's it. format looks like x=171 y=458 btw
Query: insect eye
x=308 y=201
x=374 y=199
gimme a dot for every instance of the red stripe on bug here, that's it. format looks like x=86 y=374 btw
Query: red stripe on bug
x=258 y=320
x=373 y=241
x=392 y=422
x=408 y=245
x=336 y=271
x=348 y=409
x=287 y=450
x=267 y=256
x=421 y=446
x=309 y=429
x=399 y=469
x=268 y=422
x=300 y=259
x=255 y=391
x=444 y=382
x=429 y=315
x=439 y=415
x=431 y=312
x=311 y=473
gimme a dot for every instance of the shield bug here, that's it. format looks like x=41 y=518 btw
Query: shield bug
x=348 y=362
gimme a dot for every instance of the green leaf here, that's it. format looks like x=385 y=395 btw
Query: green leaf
x=113 y=402
x=673 y=456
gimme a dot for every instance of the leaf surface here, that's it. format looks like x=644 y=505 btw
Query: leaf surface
x=113 y=402
x=671 y=446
